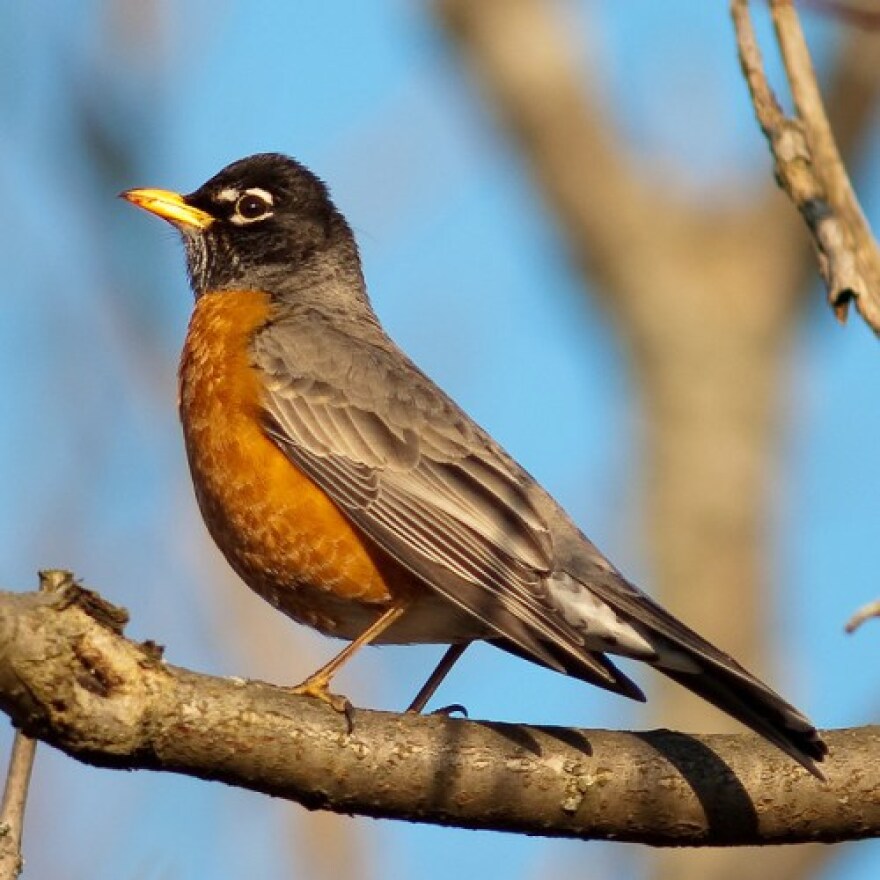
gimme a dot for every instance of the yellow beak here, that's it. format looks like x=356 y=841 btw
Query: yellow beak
x=169 y=206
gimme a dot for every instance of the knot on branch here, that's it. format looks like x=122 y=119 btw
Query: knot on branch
x=62 y=658
x=67 y=592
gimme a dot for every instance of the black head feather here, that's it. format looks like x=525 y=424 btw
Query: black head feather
x=275 y=228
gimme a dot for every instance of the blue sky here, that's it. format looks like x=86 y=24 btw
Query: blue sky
x=468 y=275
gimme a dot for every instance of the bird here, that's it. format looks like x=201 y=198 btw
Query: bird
x=348 y=490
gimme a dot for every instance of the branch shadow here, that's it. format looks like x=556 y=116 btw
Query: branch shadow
x=729 y=810
x=731 y=816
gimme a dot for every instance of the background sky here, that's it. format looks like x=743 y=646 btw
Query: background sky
x=468 y=274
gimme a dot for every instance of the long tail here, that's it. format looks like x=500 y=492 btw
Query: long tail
x=725 y=684
x=689 y=659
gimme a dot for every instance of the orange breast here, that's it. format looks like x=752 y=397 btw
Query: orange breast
x=275 y=526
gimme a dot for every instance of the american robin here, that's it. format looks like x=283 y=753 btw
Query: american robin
x=349 y=491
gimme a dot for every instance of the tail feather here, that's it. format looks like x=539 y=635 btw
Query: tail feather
x=589 y=666
x=712 y=674
x=736 y=692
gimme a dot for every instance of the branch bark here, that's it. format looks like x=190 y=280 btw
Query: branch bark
x=69 y=676
x=21 y=763
x=808 y=165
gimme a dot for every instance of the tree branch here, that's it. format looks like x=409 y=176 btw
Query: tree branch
x=21 y=764
x=68 y=676
x=866 y=612
x=808 y=166
x=524 y=58
x=15 y=793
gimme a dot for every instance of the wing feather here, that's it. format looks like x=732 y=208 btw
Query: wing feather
x=428 y=486
x=401 y=461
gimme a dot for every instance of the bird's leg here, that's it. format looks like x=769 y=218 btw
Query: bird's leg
x=318 y=684
x=447 y=661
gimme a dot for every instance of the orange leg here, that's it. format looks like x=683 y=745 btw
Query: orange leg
x=318 y=684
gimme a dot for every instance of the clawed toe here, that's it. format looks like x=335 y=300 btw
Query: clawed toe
x=317 y=687
x=451 y=709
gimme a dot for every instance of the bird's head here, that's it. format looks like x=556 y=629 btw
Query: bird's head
x=265 y=222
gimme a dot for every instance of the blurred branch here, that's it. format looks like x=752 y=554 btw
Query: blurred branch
x=705 y=306
x=866 y=612
x=853 y=91
x=808 y=165
x=864 y=15
x=522 y=56
x=68 y=676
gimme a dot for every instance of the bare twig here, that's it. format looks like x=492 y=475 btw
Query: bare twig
x=12 y=808
x=866 y=612
x=21 y=763
x=68 y=676
x=808 y=165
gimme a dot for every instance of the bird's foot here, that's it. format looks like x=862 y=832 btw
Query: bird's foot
x=450 y=710
x=318 y=686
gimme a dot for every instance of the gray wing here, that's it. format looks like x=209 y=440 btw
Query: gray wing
x=413 y=472
x=422 y=480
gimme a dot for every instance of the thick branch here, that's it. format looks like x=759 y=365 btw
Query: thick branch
x=68 y=676
x=524 y=58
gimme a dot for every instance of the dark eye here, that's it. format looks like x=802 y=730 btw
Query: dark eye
x=252 y=207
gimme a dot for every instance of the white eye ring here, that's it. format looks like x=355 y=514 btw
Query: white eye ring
x=253 y=205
